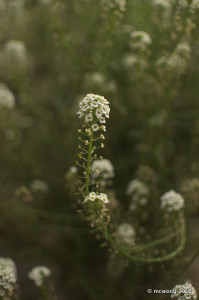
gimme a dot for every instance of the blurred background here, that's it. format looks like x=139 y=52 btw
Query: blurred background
x=143 y=57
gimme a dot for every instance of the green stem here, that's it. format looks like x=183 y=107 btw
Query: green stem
x=88 y=169
x=149 y=245
x=44 y=293
x=148 y=259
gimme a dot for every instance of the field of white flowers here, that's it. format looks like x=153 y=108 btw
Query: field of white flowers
x=99 y=142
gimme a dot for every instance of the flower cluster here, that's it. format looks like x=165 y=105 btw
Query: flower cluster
x=94 y=108
x=38 y=274
x=183 y=292
x=138 y=192
x=115 y=4
x=97 y=81
x=39 y=186
x=165 y=4
x=177 y=61
x=104 y=167
x=183 y=49
x=125 y=234
x=45 y=2
x=131 y=61
x=172 y=201
x=140 y=40
x=193 y=4
x=14 y=7
x=126 y=230
x=137 y=187
x=8 y=276
x=14 y=54
x=7 y=99
x=93 y=196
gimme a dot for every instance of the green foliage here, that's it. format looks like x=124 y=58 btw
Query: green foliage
x=143 y=58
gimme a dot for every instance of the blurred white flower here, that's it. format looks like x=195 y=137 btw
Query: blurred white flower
x=7 y=98
x=183 y=49
x=97 y=81
x=8 y=276
x=193 y=4
x=137 y=187
x=39 y=186
x=95 y=78
x=45 y=2
x=140 y=40
x=14 y=54
x=16 y=6
x=126 y=230
x=172 y=201
x=38 y=274
x=134 y=62
x=162 y=3
x=125 y=234
x=129 y=60
x=158 y=120
x=72 y=170
x=139 y=194
x=176 y=62
x=115 y=4
x=104 y=166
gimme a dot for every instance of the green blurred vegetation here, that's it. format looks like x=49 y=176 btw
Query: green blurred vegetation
x=153 y=122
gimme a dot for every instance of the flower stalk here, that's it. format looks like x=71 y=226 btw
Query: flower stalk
x=94 y=109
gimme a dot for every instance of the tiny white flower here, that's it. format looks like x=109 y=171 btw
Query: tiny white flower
x=98 y=113
x=103 y=128
x=88 y=131
x=85 y=107
x=95 y=127
x=89 y=118
x=93 y=196
x=102 y=120
x=103 y=197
